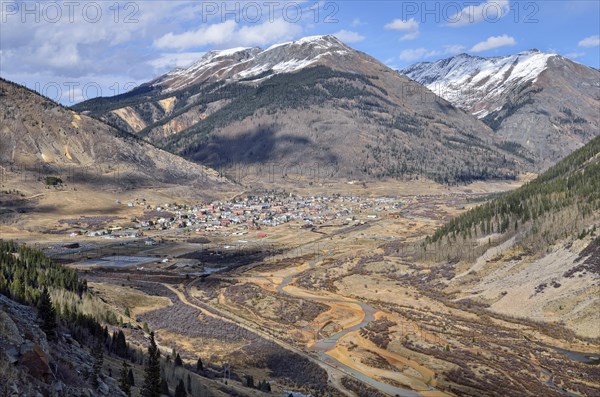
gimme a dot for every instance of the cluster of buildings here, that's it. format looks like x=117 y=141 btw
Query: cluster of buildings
x=251 y=213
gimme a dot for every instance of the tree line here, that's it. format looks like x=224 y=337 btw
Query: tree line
x=573 y=183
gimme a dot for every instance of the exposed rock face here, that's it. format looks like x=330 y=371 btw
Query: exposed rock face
x=41 y=136
x=9 y=330
x=37 y=363
x=30 y=366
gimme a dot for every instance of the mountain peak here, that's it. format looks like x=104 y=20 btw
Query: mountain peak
x=229 y=51
x=522 y=97
x=242 y=63
x=483 y=78
x=324 y=41
x=328 y=38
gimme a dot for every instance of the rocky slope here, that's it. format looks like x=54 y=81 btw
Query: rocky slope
x=544 y=102
x=42 y=138
x=535 y=252
x=310 y=105
x=31 y=366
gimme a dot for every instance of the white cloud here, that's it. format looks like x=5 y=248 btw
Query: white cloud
x=230 y=34
x=76 y=47
x=399 y=24
x=118 y=48
x=411 y=27
x=410 y=55
x=356 y=22
x=172 y=60
x=418 y=53
x=489 y=11
x=493 y=42
x=592 y=41
x=454 y=49
x=410 y=36
x=217 y=33
x=348 y=36
x=574 y=55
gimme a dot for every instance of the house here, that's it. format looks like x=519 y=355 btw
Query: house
x=97 y=233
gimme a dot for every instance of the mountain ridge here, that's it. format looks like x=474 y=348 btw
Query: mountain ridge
x=41 y=136
x=311 y=101
x=544 y=102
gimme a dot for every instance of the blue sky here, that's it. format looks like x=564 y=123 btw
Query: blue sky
x=71 y=51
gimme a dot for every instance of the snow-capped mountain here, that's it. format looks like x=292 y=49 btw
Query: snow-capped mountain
x=245 y=63
x=544 y=102
x=478 y=85
x=315 y=102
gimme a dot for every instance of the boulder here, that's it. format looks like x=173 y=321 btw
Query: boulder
x=26 y=347
x=9 y=330
x=59 y=387
x=12 y=355
x=103 y=388
x=37 y=363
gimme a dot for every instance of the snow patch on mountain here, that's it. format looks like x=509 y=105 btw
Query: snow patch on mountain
x=475 y=84
x=242 y=63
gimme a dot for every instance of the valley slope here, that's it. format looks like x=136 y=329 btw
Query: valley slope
x=40 y=137
x=534 y=252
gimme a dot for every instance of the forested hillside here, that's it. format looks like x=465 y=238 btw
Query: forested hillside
x=561 y=202
x=24 y=272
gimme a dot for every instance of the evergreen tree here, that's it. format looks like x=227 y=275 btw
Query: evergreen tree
x=178 y=361
x=124 y=379
x=180 y=390
x=98 y=354
x=152 y=384
x=265 y=386
x=164 y=387
x=48 y=315
x=120 y=345
x=131 y=378
x=199 y=365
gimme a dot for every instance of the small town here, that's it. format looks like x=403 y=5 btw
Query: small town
x=236 y=217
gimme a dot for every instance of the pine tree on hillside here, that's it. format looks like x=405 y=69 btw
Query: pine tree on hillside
x=131 y=378
x=152 y=383
x=98 y=354
x=180 y=390
x=48 y=315
x=199 y=365
x=120 y=345
x=124 y=379
x=164 y=388
x=178 y=361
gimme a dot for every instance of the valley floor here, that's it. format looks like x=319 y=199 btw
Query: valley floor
x=350 y=305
